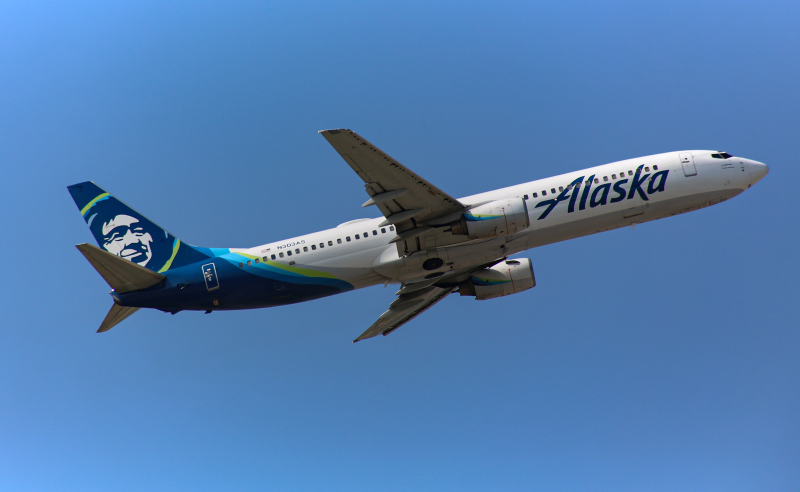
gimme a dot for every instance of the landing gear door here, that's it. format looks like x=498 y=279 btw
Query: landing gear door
x=687 y=162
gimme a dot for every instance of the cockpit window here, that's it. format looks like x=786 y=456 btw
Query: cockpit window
x=721 y=155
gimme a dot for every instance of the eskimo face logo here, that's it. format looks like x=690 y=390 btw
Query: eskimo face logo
x=127 y=238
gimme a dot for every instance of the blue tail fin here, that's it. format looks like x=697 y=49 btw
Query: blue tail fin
x=123 y=231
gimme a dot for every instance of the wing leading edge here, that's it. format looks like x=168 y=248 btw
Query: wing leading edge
x=403 y=197
x=391 y=186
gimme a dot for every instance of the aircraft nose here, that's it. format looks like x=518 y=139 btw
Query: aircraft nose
x=757 y=171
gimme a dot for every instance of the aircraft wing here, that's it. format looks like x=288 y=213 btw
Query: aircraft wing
x=405 y=308
x=414 y=298
x=399 y=193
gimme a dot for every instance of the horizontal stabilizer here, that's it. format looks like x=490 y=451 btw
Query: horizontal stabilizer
x=122 y=275
x=116 y=315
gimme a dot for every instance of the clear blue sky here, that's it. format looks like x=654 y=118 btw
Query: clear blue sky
x=659 y=359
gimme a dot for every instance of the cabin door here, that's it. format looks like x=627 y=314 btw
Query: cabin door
x=687 y=162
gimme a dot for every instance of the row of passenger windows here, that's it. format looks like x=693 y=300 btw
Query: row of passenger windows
x=314 y=246
x=391 y=228
x=596 y=180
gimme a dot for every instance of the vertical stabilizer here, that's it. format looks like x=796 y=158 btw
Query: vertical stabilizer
x=124 y=232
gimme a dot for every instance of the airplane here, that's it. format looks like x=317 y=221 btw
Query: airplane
x=427 y=241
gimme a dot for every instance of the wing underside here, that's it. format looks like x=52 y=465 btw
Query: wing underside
x=405 y=308
x=415 y=298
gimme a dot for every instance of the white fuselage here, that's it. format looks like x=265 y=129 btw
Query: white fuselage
x=359 y=252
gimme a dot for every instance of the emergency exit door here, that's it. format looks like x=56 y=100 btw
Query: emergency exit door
x=687 y=162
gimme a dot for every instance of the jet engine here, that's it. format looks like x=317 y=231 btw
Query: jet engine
x=507 y=277
x=497 y=218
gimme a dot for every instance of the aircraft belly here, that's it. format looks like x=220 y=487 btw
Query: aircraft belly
x=249 y=287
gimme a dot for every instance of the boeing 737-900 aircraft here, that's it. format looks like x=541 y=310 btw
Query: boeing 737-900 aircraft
x=427 y=241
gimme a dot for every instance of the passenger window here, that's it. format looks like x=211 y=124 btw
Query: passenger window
x=339 y=241
x=596 y=180
x=281 y=254
x=647 y=169
x=613 y=176
x=374 y=233
x=630 y=173
x=273 y=256
x=321 y=245
x=383 y=230
x=313 y=247
x=391 y=228
x=330 y=243
x=366 y=235
x=553 y=190
x=249 y=263
x=655 y=168
x=560 y=188
x=241 y=265
x=588 y=182
x=256 y=261
x=356 y=237
x=305 y=249
x=605 y=178
x=267 y=258
x=535 y=195
x=289 y=252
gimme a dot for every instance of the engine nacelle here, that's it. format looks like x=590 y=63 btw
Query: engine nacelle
x=507 y=277
x=493 y=219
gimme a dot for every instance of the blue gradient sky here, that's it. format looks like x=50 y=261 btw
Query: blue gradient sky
x=664 y=358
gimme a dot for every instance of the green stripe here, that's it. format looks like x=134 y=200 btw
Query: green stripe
x=174 y=252
x=292 y=269
x=89 y=205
